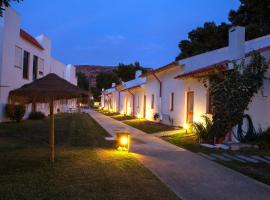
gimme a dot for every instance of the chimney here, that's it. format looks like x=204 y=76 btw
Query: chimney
x=138 y=73
x=236 y=43
x=113 y=85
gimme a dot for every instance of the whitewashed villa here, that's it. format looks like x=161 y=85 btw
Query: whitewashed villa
x=175 y=92
x=24 y=58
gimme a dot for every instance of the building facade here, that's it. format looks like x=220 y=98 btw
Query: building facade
x=24 y=58
x=176 y=93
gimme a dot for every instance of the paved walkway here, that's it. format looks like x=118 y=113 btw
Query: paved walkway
x=189 y=175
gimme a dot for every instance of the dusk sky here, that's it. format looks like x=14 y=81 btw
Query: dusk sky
x=107 y=32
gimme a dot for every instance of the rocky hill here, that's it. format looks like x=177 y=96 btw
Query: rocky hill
x=91 y=72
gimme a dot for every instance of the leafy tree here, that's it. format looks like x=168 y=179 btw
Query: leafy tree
x=83 y=82
x=231 y=93
x=202 y=39
x=122 y=72
x=6 y=3
x=253 y=14
x=127 y=72
x=105 y=80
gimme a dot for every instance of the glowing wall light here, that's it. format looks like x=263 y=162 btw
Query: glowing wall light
x=122 y=140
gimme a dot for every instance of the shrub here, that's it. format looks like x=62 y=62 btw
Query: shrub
x=15 y=112
x=36 y=115
x=263 y=140
x=203 y=130
x=156 y=116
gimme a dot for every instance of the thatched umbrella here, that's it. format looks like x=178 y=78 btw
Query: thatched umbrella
x=46 y=90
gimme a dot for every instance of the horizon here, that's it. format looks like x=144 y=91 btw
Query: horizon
x=102 y=35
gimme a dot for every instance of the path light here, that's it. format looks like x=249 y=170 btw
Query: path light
x=186 y=127
x=122 y=140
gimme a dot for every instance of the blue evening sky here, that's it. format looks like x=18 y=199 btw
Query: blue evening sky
x=106 y=32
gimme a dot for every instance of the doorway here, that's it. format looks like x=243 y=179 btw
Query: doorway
x=190 y=107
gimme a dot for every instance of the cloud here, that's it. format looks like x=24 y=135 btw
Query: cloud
x=114 y=39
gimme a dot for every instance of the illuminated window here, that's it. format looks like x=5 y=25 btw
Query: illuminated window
x=152 y=101
x=171 y=101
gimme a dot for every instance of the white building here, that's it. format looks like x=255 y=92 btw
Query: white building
x=176 y=94
x=24 y=58
x=126 y=98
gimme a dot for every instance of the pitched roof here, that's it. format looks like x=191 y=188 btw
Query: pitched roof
x=161 y=69
x=205 y=70
x=29 y=38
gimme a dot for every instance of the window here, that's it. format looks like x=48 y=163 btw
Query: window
x=18 y=57
x=208 y=103
x=171 y=101
x=35 y=67
x=41 y=66
x=26 y=56
x=138 y=101
x=152 y=101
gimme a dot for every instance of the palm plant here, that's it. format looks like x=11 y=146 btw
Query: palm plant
x=203 y=130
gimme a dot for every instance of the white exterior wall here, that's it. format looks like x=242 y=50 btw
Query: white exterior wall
x=259 y=108
x=11 y=77
x=139 y=98
x=152 y=88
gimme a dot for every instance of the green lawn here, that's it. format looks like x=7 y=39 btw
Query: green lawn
x=258 y=171
x=86 y=166
x=141 y=124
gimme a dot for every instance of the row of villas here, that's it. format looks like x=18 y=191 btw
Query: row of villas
x=176 y=93
x=24 y=58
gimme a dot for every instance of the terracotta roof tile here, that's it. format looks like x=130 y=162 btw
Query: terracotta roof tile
x=29 y=38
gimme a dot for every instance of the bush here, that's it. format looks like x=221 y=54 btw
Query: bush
x=156 y=116
x=263 y=140
x=36 y=115
x=15 y=112
x=203 y=130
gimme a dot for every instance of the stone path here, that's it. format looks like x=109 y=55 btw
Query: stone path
x=166 y=133
x=237 y=157
x=188 y=174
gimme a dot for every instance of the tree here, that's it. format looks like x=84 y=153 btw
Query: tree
x=202 y=39
x=6 y=3
x=232 y=92
x=254 y=15
x=127 y=72
x=83 y=82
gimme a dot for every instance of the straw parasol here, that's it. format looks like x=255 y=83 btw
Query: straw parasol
x=46 y=90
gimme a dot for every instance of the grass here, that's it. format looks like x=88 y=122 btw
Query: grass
x=86 y=167
x=141 y=124
x=259 y=171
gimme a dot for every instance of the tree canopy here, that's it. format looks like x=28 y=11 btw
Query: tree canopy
x=6 y=3
x=83 y=82
x=254 y=15
x=123 y=72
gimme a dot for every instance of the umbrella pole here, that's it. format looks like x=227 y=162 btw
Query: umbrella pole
x=52 y=130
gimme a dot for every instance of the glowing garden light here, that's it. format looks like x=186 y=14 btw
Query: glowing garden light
x=122 y=140
x=186 y=127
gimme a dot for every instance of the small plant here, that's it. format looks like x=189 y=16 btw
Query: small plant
x=15 y=112
x=203 y=130
x=36 y=115
x=156 y=116
x=263 y=139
